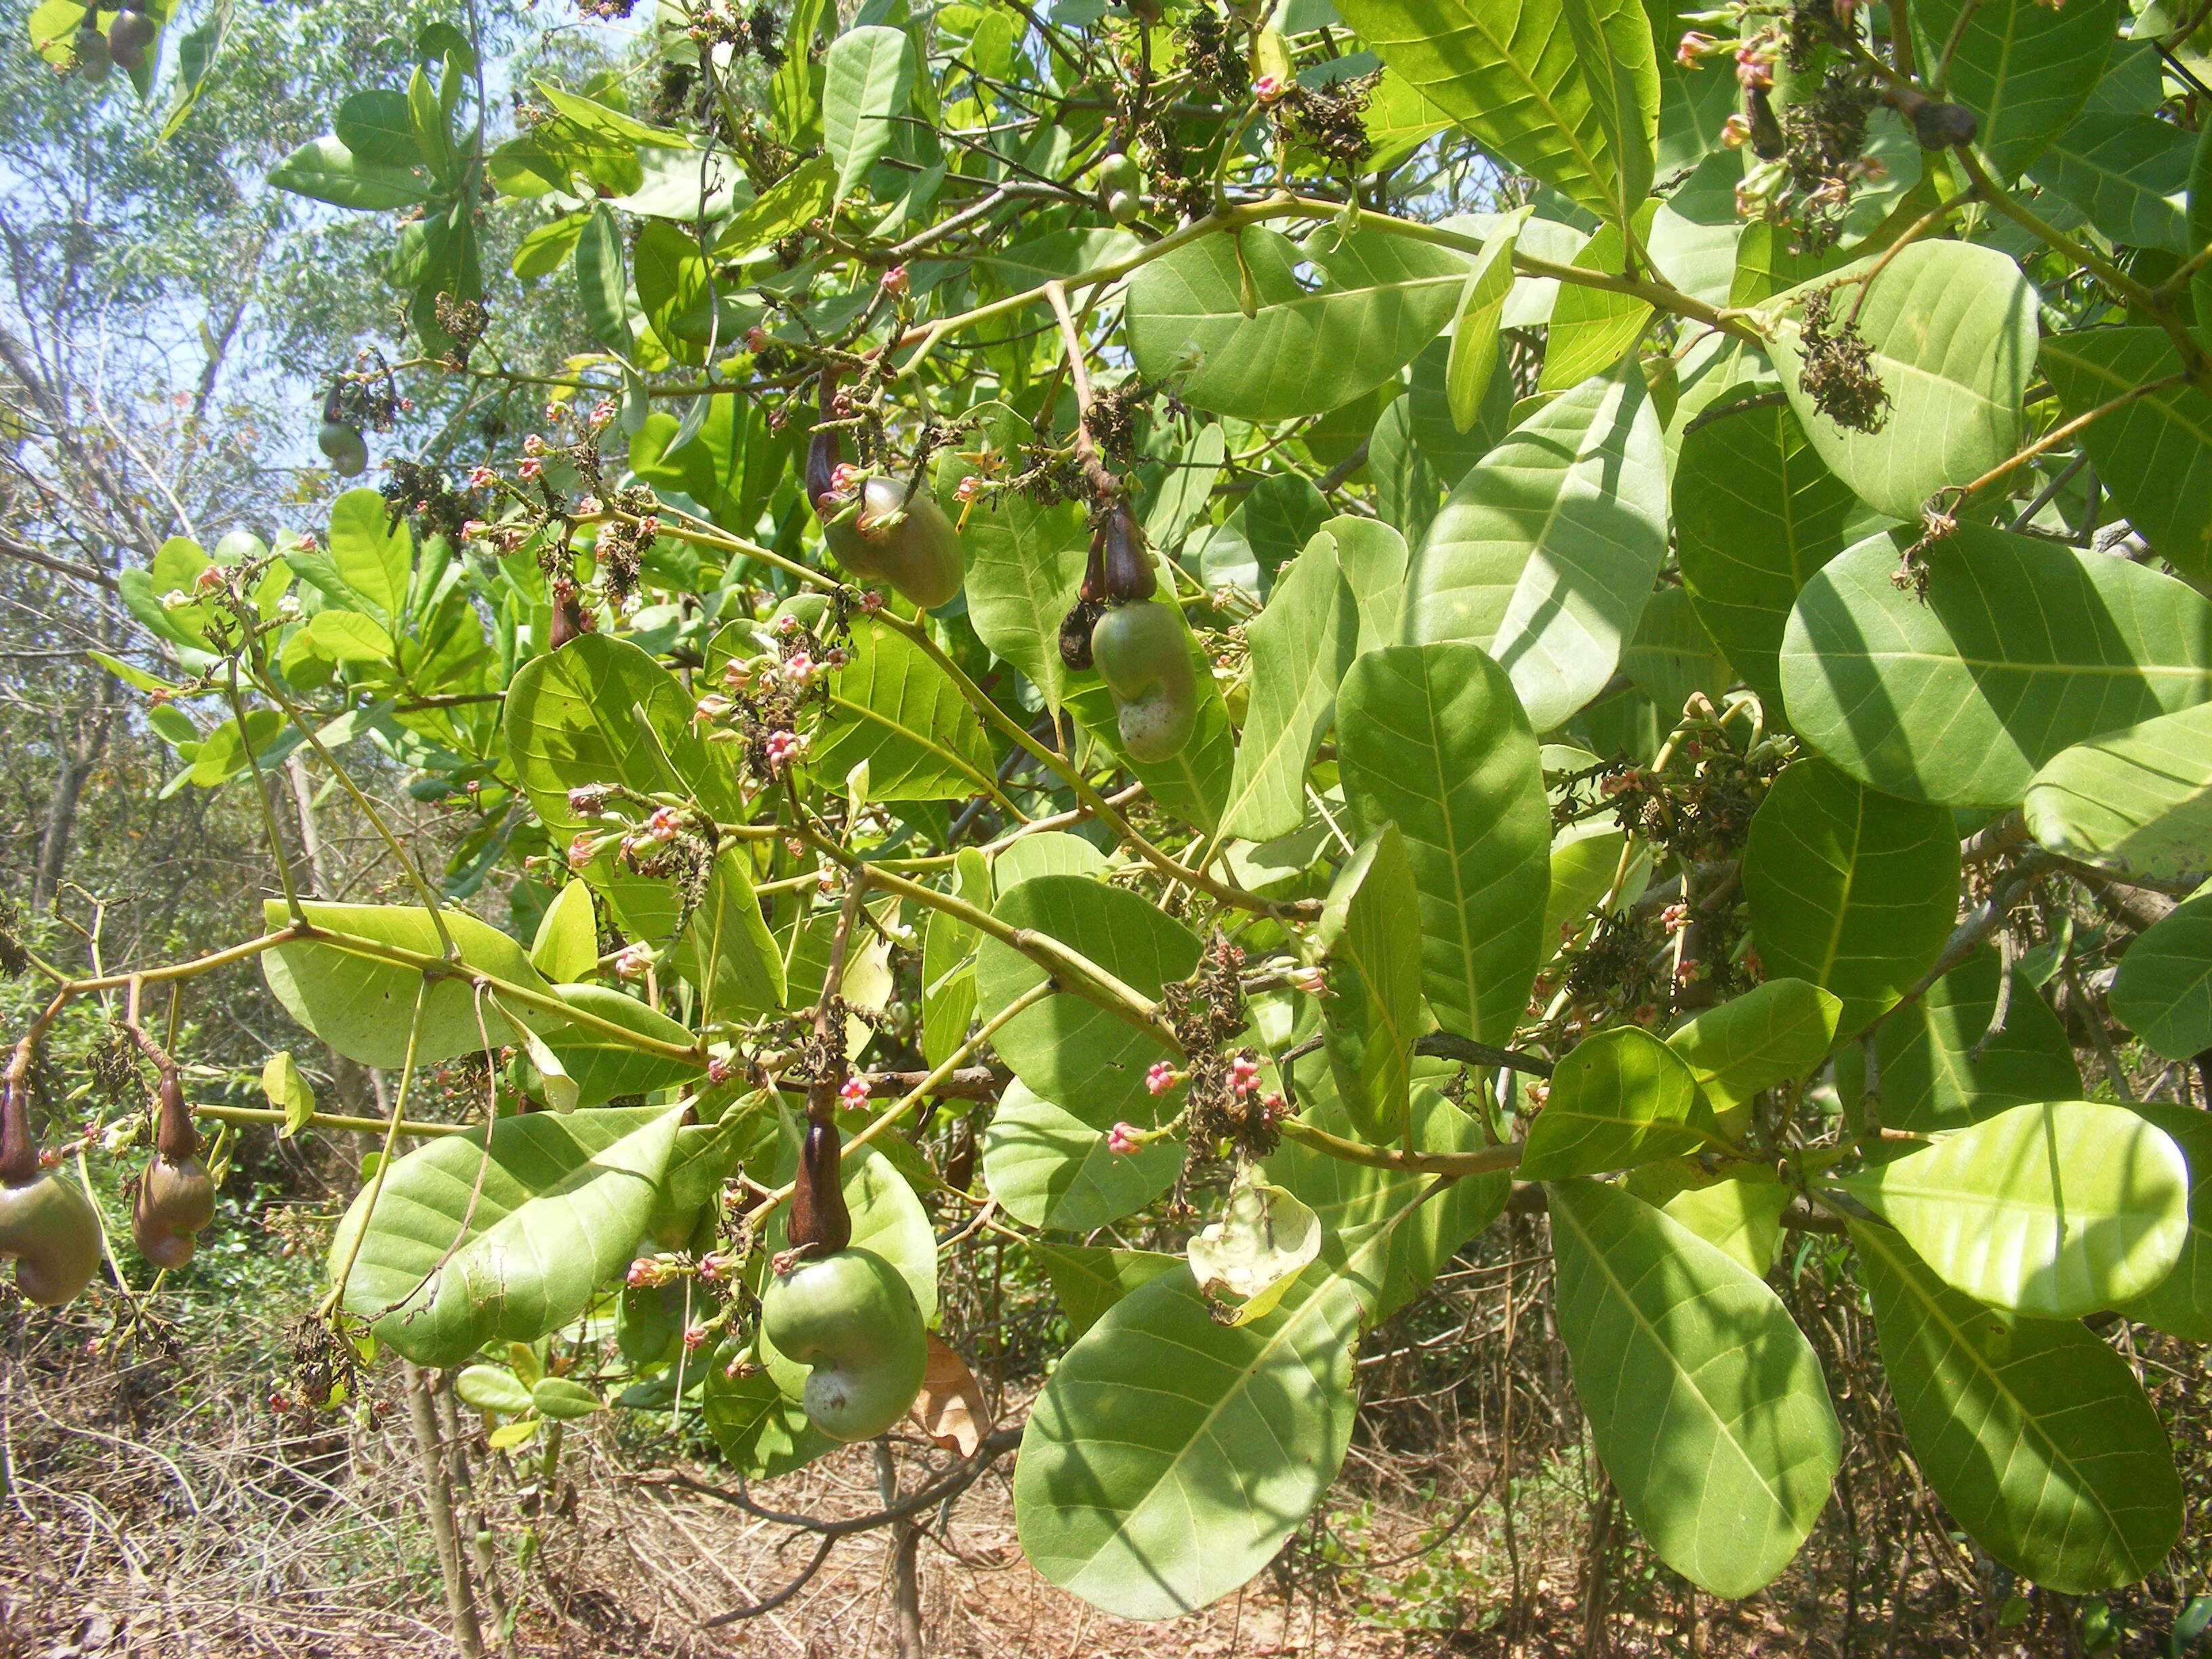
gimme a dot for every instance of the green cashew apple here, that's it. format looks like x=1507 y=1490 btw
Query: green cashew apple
x=175 y=1197
x=1144 y=656
x=94 y=61
x=850 y=1316
x=904 y=541
x=342 y=445
x=129 y=36
x=48 y=1226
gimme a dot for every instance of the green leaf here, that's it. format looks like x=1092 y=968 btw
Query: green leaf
x=1591 y=327
x=1374 y=1012
x=1381 y=298
x=362 y=1005
x=1339 y=597
x=1407 y=491
x=287 y=1092
x=2052 y=1211
x=372 y=553
x=599 y=1065
x=1546 y=551
x=1756 y=513
x=2154 y=453
x=2137 y=802
x=492 y=1388
x=603 y=281
x=1619 y=1099
x=759 y=1429
x=601 y=710
x=1773 y=1033
x=726 y=949
x=1088 y=1279
x=1025 y=559
x=948 y=966
x=2163 y=991
x=2024 y=69
x=324 y=170
x=376 y=126
x=1742 y=1218
x=1850 y=890
x=1952 y=329
x=349 y=637
x=1932 y=1078
x=1705 y=1402
x=2019 y=650
x=1070 y=1050
x=2181 y=1305
x=2127 y=172
x=1567 y=90
x=1245 y=1261
x=1050 y=1168
x=794 y=202
x=870 y=78
x=895 y=708
x=196 y=53
x=1473 y=357
x=474 y=1241
x=566 y=947
x=1430 y=738
x=2035 y=1435
x=674 y=288
x=606 y=124
x=562 y=1398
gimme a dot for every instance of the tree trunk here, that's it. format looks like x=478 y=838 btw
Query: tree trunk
x=437 y=1500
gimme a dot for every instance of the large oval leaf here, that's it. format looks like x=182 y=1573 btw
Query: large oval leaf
x=868 y=75
x=1705 y=1402
x=2127 y=172
x=1339 y=597
x=470 y=1245
x=1431 y=737
x=1773 y=1033
x=2025 y=68
x=1849 y=889
x=362 y=1006
x=1380 y=299
x=1941 y=1067
x=1547 y=549
x=2155 y=452
x=1072 y=1051
x=1953 y=331
x=1619 y=1099
x=1374 y=1011
x=2181 y=1305
x=1756 y=513
x=1050 y=1168
x=2163 y=992
x=1567 y=90
x=892 y=707
x=2053 y=1211
x=2137 y=801
x=2034 y=1434
x=2019 y=650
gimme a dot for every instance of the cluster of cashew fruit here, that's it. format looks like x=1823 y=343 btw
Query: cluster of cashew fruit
x=878 y=529
x=1137 y=645
x=125 y=42
x=175 y=1197
x=846 y=1313
x=48 y=1226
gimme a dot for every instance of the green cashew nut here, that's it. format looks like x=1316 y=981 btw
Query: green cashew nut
x=852 y=1317
x=1144 y=656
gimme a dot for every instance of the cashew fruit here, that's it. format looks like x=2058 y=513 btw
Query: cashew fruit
x=818 y=1216
x=175 y=1197
x=129 y=36
x=1117 y=172
x=1128 y=570
x=904 y=541
x=851 y=1317
x=343 y=447
x=1144 y=656
x=48 y=1226
x=93 y=59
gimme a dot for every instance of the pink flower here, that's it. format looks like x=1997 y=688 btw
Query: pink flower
x=967 y=489
x=798 y=669
x=648 y=527
x=693 y=1337
x=1244 y=1071
x=474 y=529
x=720 y=1069
x=1693 y=46
x=209 y=579
x=1314 y=981
x=737 y=674
x=782 y=748
x=1753 y=67
x=590 y=506
x=533 y=445
x=845 y=477
x=588 y=799
x=644 y=1273
x=713 y=707
x=1267 y=88
x=601 y=412
x=307 y=542
x=529 y=467
x=787 y=623
x=1273 y=1104
x=872 y=601
x=482 y=477
x=664 y=823
x=632 y=960
x=1675 y=918
x=853 y=1091
x=834 y=656
x=1123 y=1137
x=1162 y=1078
x=894 y=280
x=756 y=339
x=582 y=852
